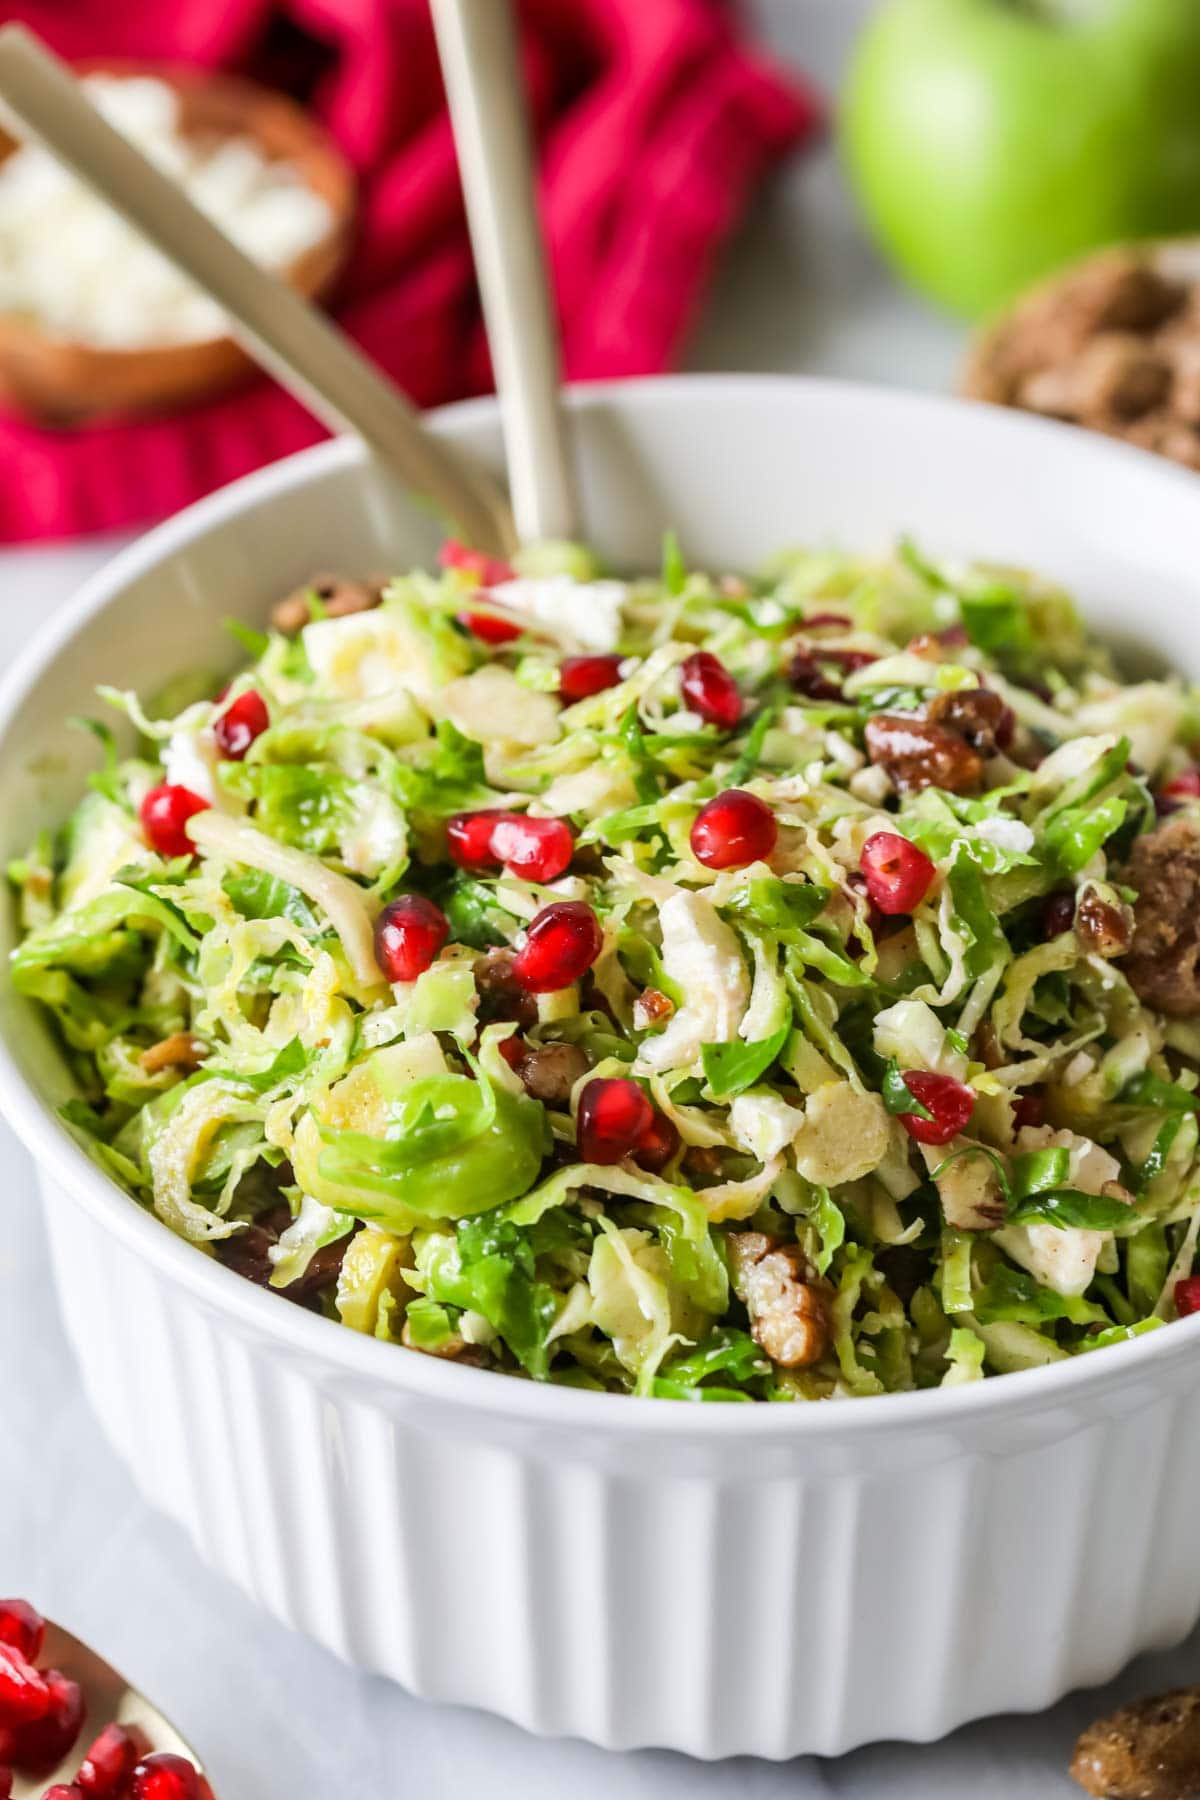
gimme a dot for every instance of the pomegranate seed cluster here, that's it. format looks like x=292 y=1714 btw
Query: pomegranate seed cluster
x=43 y=1720
x=729 y=987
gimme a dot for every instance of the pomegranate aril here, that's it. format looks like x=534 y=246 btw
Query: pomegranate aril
x=42 y=1744
x=22 y=1627
x=489 y=628
x=579 y=677
x=469 y=839
x=165 y=811
x=409 y=934
x=24 y=1693
x=1187 y=1295
x=710 y=689
x=6 y=1783
x=950 y=1103
x=243 y=720
x=165 y=1777
x=535 y=849
x=488 y=571
x=658 y=1145
x=732 y=830
x=1178 y=791
x=108 y=1765
x=61 y=1791
x=614 y=1119
x=897 y=874
x=561 y=944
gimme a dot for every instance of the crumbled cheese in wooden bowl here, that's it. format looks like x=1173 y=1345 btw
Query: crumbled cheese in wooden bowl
x=81 y=274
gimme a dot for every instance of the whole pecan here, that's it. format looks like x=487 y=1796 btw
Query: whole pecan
x=977 y=714
x=340 y=595
x=788 y=1307
x=550 y=1071
x=1147 y=1751
x=920 y=753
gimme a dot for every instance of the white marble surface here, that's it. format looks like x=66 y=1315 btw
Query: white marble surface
x=278 y=1719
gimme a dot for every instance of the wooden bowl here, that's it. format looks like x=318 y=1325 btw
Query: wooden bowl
x=58 y=382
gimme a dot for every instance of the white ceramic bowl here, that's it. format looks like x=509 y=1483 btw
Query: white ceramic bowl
x=769 y=1579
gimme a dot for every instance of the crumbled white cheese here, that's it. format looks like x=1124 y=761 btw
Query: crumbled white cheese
x=842 y=752
x=681 y=723
x=872 y=784
x=701 y=956
x=1091 y=1167
x=190 y=761
x=76 y=267
x=583 y=614
x=764 y=1124
x=1063 y=1259
x=1006 y=834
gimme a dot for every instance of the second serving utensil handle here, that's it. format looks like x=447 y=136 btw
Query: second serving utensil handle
x=284 y=333
x=477 y=43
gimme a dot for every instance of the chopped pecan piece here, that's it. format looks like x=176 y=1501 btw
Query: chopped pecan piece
x=977 y=714
x=179 y=1051
x=1167 y=435
x=1185 y=381
x=550 y=1071
x=502 y=995
x=1147 y=1751
x=651 y=1008
x=338 y=594
x=919 y=753
x=1117 y=375
x=1164 y=964
x=788 y=1307
x=703 y=1162
x=1102 y=927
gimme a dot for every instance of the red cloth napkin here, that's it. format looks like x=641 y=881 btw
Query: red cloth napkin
x=654 y=121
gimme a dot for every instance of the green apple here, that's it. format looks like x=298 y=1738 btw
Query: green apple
x=992 y=140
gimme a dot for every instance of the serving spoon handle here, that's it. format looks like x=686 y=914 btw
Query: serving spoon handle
x=477 y=44
x=40 y=98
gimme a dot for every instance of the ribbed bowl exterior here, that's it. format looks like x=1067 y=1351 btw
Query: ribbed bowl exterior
x=764 y=1597
x=716 y=1579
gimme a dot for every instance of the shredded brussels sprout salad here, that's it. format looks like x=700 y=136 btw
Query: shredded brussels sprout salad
x=707 y=988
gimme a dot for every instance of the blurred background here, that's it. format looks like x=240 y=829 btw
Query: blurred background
x=830 y=186
x=706 y=212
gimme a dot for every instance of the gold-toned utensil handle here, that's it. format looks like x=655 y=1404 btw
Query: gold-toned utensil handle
x=330 y=376
x=477 y=43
